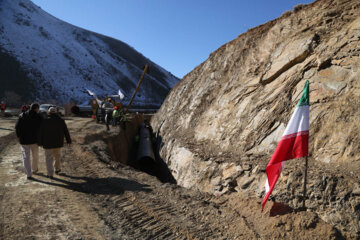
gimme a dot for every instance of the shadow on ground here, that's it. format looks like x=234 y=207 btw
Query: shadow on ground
x=111 y=185
x=280 y=209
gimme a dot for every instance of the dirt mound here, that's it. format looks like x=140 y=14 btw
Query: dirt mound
x=220 y=124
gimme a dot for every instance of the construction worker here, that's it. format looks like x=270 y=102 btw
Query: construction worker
x=107 y=119
x=2 y=107
x=122 y=119
x=115 y=116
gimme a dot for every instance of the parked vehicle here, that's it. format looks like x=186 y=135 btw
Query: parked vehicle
x=45 y=107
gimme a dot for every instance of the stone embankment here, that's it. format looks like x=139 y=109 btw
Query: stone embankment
x=220 y=124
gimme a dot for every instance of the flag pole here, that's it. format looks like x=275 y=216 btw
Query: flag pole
x=305 y=177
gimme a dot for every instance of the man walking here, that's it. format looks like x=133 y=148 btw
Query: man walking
x=51 y=137
x=27 y=127
x=107 y=119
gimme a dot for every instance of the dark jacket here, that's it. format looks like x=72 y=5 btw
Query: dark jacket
x=52 y=132
x=108 y=117
x=27 y=127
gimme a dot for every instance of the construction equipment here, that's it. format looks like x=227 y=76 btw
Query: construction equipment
x=101 y=106
x=137 y=88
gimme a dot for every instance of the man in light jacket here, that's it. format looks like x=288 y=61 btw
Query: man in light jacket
x=51 y=137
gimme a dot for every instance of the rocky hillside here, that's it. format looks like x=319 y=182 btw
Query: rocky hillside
x=220 y=124
x=47 y=59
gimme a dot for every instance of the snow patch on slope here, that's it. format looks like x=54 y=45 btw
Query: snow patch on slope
x=63 y=60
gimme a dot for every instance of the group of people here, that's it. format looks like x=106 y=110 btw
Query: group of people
x=25 y=108
x=33 y=131
x=115 y=116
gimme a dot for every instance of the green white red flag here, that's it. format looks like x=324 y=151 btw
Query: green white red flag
x=293 y=144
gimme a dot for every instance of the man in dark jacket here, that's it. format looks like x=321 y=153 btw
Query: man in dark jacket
x=107 y=119
x=51 y=137
x=27 y=127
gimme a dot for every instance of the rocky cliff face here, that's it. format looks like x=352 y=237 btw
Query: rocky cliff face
x=220 y=124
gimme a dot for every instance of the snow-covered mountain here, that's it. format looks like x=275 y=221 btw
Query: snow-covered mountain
x=43 y=58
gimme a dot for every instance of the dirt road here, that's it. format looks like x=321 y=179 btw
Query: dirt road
x=97 y=198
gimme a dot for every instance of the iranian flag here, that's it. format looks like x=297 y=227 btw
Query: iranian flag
x=293 y=143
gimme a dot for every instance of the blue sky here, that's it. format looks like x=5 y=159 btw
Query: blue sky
x=176 y=34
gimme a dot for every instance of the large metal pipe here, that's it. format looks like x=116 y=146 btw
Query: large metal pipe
x=81 y=110
x=145 y=150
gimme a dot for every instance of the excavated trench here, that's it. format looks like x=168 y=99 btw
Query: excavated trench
x=135 y=146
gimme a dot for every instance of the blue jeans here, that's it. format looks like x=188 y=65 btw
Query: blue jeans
x=114 y=121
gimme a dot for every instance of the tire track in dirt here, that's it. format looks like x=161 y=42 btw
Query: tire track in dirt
x=154 y=220
x=144 y=217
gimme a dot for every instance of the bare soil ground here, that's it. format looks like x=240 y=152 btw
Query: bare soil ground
x=97 y=198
